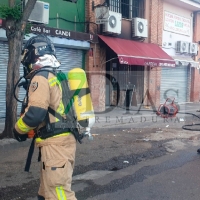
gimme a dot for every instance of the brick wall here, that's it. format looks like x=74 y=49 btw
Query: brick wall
x=154 y=86
x=195 y=83
x=95 y=64
x=96 y=76
x=90 y=15
x=155 y=21
x=153 y=75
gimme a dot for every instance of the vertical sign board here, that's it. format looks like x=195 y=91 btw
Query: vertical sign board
x=101 y=14
x=177 y=24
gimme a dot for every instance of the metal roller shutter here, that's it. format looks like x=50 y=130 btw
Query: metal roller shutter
x=3 y=73
x=69 y=58
x=175 y=82
x=3 y=79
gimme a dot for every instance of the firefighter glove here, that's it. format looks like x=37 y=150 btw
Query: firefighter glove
x=20 y=137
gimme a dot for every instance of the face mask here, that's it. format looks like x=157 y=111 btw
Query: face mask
x=48 y=60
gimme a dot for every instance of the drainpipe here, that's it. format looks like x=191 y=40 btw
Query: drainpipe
x=195 y=23
x=57 y=21
x=194 y=15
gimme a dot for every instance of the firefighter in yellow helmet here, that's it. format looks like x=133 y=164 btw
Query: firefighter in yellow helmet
x=57 y=145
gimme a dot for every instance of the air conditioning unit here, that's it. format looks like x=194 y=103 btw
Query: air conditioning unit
x=114 y=23
x=193 y=49
x=40 y=13
x=139 y=27
x=182 y=47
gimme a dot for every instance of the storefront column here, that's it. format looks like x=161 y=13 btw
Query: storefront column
x=154 y=87
x=195 y=85
x=95 y=67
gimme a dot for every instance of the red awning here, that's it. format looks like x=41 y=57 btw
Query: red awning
x=138 y=53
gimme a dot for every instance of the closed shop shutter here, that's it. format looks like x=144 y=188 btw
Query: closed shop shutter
x=175 y=82
x=69 y=58
x=3 y=74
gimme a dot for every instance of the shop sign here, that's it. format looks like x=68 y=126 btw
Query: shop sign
x=50 y=31
x=55 y=32
x=158 y=63
x=63 y=33
x=177 y=24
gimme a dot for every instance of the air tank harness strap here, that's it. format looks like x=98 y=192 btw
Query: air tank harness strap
x=80 y=92
x=71 y=122
x=30 y=154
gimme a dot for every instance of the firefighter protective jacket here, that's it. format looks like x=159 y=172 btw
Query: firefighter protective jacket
x=44 y=91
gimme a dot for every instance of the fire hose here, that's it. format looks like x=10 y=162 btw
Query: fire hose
x=169 y=110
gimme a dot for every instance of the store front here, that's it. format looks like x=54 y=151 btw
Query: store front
x=179 y=43
x=69 y=58
x=127 y=62
x=70 y=53
x=176 y=82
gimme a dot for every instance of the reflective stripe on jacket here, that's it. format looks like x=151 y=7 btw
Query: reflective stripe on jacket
x=44 y=91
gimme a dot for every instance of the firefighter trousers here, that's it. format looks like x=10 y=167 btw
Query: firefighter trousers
x=57 y=163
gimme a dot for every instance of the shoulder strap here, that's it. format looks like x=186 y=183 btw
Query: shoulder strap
x=45 y=69
x=55 y=114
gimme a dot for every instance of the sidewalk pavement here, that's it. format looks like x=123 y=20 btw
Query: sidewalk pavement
x=118 y=117
x=141 y=116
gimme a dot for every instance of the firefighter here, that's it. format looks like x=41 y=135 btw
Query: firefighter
x=57 y=148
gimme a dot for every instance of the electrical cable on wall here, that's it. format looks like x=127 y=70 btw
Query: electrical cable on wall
x=55 y=18
x=94 y=58
x=77 y=12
